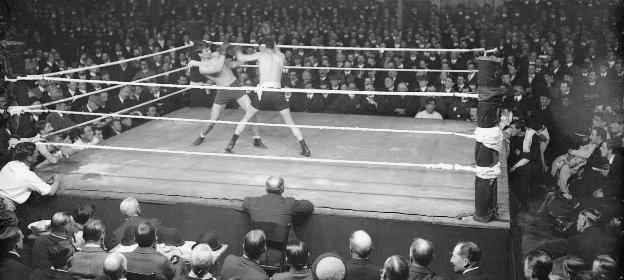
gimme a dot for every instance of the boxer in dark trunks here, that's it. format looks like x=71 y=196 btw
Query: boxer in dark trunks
x=270 y=67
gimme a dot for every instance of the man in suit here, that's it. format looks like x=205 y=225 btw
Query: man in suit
x=247 y=266
x=590 y=242
x=610 y=185
x=537 y=265
x=465 y=261
x=144 y=72
x=201 y=262
x=60 y=120
x=89 y=261
x=275 y=208
x=312 y=102
x=92 y=106
x=421 y=256
x=12 y=267
x=359 y=267
x=520 y=105
x=123 y=72
x=59 y=255
x=131 y=211
x=121 y=101
x=145 y=259
x=60 y=227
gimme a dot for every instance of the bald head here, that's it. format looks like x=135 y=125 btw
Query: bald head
x=115 y=266
x=129 y=207
x=360 y=244
x=255 y=244
x=275 y=185
x=421 y=252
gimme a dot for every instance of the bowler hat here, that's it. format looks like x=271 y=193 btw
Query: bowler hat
x=210 y=239
x=39 y=228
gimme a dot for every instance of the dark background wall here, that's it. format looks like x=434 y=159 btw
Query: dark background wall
x=322 y=232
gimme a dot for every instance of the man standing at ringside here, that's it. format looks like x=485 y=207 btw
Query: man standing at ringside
x=270 y=67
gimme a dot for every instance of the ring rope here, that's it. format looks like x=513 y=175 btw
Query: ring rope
x=69 y=71
x=118 y=112
x=321 y=127
x=381 y=49
x=368 y=69
x=303 y=90
x=438 y=166
x=105 y=89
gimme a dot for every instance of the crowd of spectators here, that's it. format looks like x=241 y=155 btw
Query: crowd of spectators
x=562 y=75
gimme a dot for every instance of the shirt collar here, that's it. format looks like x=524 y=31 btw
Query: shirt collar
x=470 y=269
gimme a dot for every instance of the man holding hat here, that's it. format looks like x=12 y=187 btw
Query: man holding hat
x=275 y=208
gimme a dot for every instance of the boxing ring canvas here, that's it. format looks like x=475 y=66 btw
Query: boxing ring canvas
x=395 y=204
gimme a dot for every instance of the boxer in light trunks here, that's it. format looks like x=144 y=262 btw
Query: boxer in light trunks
x=270 y=67
x=217 y=68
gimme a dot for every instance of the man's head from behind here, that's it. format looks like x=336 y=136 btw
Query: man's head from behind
x=254 y=244
x=465 y=255
x=329 y=267
x=145 y=234
x=60 y=254
x=115 y=266
x=201 y=259
x=275 y=185
x=360 y=244
x=421 y=252
x=297 y=254
x=61 y=224
x=129 y=207
x=11 y=238
x=395 y=268
x=537 y=265
x=93 y=231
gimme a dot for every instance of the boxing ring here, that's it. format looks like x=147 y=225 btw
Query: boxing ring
x=397 y=178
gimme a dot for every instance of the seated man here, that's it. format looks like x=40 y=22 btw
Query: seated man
x=12 y=266
x=17 y=182
x=421 y=256
x=329 y=266
x=246 y=266
x=360 y=267
x=201 y=264
x=589 y=243
x=115 y=266
x=131 y=210
x=568 y=164
x=298 y=257
x=60 y=260
x=88 y=262
x=60 y=230
x=145 y=259
x=429 y=112
x=275 y=208
x=537 y=265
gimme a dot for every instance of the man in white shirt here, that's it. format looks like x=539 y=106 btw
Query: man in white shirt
x=429 y=112
x=17 y=182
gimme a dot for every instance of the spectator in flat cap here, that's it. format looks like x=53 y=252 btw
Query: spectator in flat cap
x=275 y=208
x=421 y=256
x=60 y=230
x=328 y=266
x=247 y=266
x=359 y=267
x=131 y=210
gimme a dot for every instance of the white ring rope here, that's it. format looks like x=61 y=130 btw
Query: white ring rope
x=118 y=112
x=295 y=90
x=439 y=166
x=321 y=127
x=368 y=69
x=381 y=49
x=69 y=71
x=105 y=89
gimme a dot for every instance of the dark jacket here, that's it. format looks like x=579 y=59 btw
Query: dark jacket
x=615 y=177
x=130 y=222
x=422 y=273
x=39 y=252
x=359 y=269
x=588 y=244
x=51 y=274
x=275 y=208
x=88 y=262
x=234 y=266
x=146 y=260
x=476 y=274
x=12 y=267
x=294 y=274
x=59 y=122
